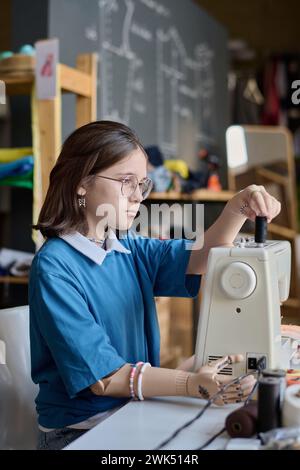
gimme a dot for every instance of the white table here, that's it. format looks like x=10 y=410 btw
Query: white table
x=144 y=425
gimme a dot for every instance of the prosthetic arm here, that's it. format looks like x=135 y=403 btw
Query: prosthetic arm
x=168 y=382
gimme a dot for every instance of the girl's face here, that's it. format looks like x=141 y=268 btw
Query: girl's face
x=105 y=203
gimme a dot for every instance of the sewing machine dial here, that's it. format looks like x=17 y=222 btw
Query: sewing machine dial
x=238 y=280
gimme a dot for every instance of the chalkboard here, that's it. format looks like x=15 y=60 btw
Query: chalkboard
x=162 y=69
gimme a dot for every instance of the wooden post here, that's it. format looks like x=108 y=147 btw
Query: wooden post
x=86 y=107
x=292 y=179
x=49 y=129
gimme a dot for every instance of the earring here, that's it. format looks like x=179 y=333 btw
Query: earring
x=81 y=201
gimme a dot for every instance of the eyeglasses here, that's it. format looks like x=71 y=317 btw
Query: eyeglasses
x=130 y=183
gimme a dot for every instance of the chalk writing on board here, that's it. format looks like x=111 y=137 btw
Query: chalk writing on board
x=183 y=80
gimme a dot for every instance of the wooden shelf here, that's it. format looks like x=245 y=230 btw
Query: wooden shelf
x=81 y=81
x=293 y=303
x=18 y=84
x=13 y=280
x=197 y=195
x=71 y=81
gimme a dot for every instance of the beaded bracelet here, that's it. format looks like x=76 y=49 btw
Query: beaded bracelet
x=140 y=379
x=131 y=379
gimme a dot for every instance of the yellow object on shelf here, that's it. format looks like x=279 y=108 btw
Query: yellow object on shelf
x=179 y=166
x=8 y=155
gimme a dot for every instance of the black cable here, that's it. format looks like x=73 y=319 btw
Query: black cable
x=210 y=440
x=261 y=364
x=177 y=431
x=252 y=391
x=208 y=404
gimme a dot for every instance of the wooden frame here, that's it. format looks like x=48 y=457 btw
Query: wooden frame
x=285 y=226
x=82 y=81
x=197 y=195
x=242 y=175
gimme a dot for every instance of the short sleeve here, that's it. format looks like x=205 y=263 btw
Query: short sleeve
x=166 y=263
x=78 y=344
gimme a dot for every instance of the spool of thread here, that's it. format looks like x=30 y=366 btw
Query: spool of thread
x=279 y=374
x=291 y=407
x=242 y=422
x=269 y=411
x=260 y=229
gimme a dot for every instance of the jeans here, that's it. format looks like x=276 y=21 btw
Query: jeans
x=57 y=439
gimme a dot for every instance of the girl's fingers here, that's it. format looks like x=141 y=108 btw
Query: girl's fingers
x=277 y=208
x=268 y=199
x=274 y=210
x=257 y=203
x=262 y=203
x=249 y=213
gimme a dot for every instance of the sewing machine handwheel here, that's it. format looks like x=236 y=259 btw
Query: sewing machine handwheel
x=238 y=280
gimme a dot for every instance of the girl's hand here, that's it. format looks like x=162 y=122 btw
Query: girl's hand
x=254 y=201
x=208 y=381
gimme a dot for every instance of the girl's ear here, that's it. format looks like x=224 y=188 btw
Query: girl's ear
x=81 y=191
x=84 y=185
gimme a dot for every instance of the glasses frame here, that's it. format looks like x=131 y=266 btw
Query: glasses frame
x=125 y=179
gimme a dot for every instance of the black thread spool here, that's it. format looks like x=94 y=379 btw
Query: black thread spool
x=242 y=422
x=280 y=374
x=260 y=229
x=269 y=392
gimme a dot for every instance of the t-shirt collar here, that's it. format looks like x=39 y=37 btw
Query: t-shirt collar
x=90 y=249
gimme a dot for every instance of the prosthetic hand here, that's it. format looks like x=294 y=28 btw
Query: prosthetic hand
x=208 y=381
x=205 y=383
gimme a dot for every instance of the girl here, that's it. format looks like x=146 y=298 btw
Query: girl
x=93 y=324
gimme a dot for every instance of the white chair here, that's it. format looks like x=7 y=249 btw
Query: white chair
x=18 y=419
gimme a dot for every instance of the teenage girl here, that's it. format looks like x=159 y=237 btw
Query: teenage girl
x=93 y=324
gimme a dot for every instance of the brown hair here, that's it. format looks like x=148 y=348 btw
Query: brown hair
x=87 y=151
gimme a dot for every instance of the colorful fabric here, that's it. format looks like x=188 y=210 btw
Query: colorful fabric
x=8 y=155
x=16 y=168
x=21 y=181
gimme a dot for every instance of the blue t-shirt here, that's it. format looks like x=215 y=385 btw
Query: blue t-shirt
x=88 y=319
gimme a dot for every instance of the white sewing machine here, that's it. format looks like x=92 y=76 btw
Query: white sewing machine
x=240 y=308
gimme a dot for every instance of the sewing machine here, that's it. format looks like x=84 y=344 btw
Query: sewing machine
x=240 y=306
